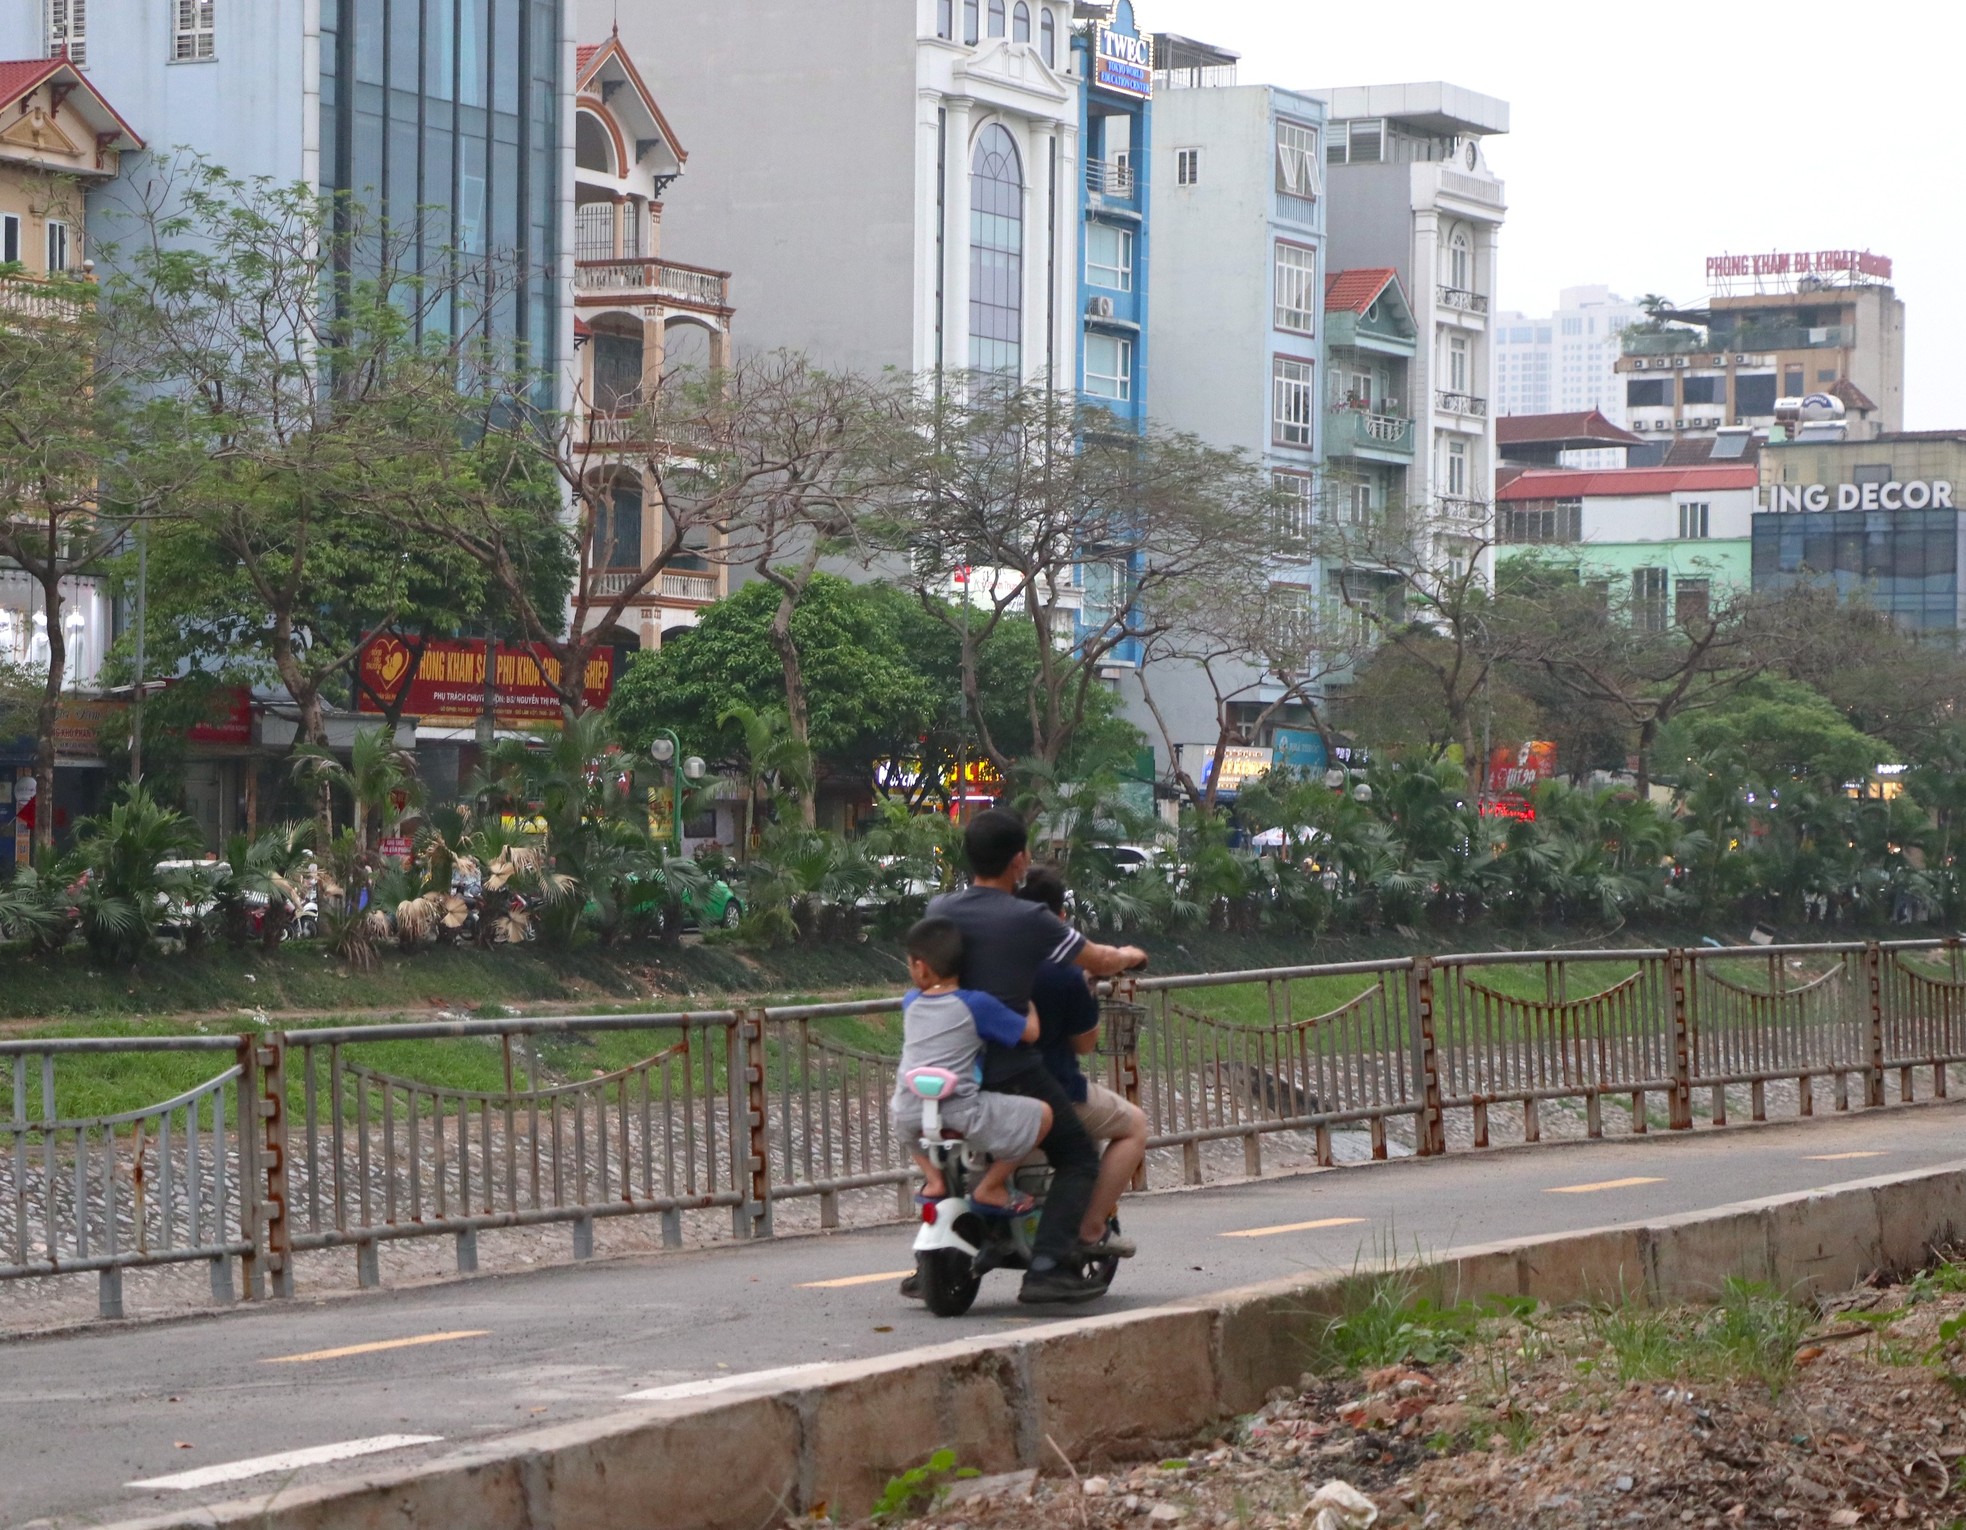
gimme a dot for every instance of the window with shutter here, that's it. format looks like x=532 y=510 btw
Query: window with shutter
x=194 y=36
x=68 y=30
x=1297 y=161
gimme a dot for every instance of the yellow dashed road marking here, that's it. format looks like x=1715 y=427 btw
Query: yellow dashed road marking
x=852 y=1280
x=1602 y=1184
x=375 y=1348
x=1284 y=1227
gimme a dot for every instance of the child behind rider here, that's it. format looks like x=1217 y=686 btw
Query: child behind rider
x=944 y=1026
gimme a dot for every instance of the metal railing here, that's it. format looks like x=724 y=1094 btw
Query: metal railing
x=1448 y=402
x=1460 y=299
x=1112 y=177
x=356 y=1136
x=1349 y=427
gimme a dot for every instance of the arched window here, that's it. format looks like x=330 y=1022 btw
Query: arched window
x=945 y=19
x=1020 y=23
x=996 y=253
x=1460 y=262
x=593 y=144
x=1048 y=35
x=996 y=18
x=970 y=8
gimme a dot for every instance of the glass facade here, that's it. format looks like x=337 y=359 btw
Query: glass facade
x=1904 y=562
x=444 y=115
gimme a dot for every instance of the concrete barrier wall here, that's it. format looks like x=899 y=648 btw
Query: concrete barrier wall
x=1134 y=1383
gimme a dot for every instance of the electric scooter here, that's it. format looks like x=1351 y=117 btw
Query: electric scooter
x=956 y=1245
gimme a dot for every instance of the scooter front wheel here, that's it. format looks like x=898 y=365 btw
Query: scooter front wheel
x=948 y=1279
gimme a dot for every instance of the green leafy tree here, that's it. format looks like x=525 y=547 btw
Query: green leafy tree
x=774 y=760
x=377 y=772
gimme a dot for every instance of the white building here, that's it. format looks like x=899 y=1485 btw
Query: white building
x=1565 y=363
x=1409 y=187
x=897 y=179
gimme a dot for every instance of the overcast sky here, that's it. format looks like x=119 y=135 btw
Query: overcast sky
x=1644 y=139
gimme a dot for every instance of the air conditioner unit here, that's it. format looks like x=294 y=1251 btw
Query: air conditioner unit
x=1099 y=308
x=1679 y=361
x=1720 y=361
x=1639 y=364
x=1740 y=361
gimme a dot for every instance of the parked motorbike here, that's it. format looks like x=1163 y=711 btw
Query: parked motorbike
x=956 y=1246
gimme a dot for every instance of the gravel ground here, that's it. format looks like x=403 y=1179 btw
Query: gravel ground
x=1533 y=1426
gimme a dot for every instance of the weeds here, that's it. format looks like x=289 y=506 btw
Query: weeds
x=1755 y=1332
x=1388 y=1322
x=920 y=1488
x=1644 y=1345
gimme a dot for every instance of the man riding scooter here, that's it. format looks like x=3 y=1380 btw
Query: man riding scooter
x=1005 y=941
x=1068 y=1029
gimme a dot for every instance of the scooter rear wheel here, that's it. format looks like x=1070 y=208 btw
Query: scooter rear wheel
x=948 y=1279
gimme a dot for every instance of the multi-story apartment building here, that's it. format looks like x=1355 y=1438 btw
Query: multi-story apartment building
x=1566 y=363
x=637 y=316
x=1369 y=345
x=1236 y=322
x=1727 y=363
x=1410 y=189
x=899 y=174
x=451 y=110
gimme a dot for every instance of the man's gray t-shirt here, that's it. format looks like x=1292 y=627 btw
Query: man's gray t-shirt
x=1005 y=941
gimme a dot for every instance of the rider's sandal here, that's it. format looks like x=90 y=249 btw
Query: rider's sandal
x=1019 y=1205
x=923 y=1198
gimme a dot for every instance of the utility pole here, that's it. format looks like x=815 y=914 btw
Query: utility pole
x=136 y=702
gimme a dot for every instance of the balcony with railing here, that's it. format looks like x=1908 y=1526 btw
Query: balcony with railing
x=1352 y=432
x=1195 y=77
x=1117 y=179
x=642 y=277
x=31 y=298
x=1464 y=404
x=1460 y=300
x=669 y=585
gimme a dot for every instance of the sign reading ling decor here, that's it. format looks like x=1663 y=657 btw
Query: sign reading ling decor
x=1121 y=63
x=446 y=683
x=1919 y=494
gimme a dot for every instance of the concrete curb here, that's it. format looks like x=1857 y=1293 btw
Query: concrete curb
x=1124 y=1383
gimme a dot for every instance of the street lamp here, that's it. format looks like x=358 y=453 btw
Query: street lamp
x=666 y=749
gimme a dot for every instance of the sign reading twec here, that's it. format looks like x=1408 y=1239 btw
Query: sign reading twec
x=1919 y=494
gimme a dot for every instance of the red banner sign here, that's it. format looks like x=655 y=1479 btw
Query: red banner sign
x=446 y=683
x=1521 y=769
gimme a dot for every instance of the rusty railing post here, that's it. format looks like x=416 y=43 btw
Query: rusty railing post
x=1874 y=1027
x=271 y=1119
x=252 y=1188
x=749 y=1036
x=1682 y=1043
x=1431 y=1133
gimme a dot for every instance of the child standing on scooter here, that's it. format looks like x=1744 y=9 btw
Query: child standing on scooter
x=945 y=1026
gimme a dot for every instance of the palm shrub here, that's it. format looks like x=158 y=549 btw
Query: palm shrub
x=35 y=907
x=121 y=851
x=377 y=774
x=264 y=872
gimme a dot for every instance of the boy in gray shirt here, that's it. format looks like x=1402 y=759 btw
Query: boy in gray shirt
x=945 y=1026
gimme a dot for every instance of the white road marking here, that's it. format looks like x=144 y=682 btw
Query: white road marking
x=286 y=1461
x=1839 y=1157
x=709 y=1386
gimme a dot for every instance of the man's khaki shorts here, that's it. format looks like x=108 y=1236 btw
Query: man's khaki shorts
x=1104 y=1115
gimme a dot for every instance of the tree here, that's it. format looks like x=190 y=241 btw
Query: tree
x=786 y=458
x=295 y=366
x=775 y=760
x=65 y=421
x=1022 y=506
x=377 y=773
x=1893 y=684
x=1259 y=654
x=865 y=690
x=1781 y=732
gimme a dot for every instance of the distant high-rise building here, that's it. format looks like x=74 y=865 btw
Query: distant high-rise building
x=1565 y=363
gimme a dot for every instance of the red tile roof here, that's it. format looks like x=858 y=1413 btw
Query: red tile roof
x=1587 y=483
x=1551 y=429
x=582 y=54
x=1355 y=291
x=19 y=76
x=1851 y=396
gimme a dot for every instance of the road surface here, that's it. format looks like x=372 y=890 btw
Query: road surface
x=220 y=1407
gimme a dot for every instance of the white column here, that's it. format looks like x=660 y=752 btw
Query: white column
x=1426 y=359
x=955 y=252
x=1038 y=249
